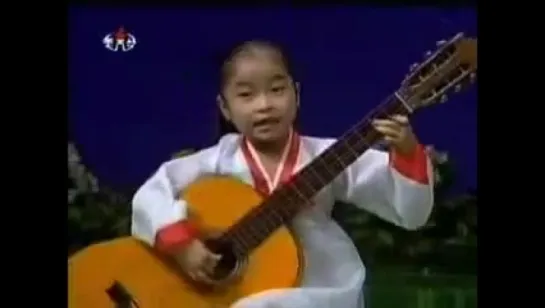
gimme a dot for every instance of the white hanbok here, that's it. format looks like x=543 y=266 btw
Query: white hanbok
x=334 y=273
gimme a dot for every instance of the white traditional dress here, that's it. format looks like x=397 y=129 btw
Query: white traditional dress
x=393 y=187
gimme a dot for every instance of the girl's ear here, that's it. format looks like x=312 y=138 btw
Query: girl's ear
x=297 y=93
x=222 y=105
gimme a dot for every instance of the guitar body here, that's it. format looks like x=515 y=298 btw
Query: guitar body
x=153 y=281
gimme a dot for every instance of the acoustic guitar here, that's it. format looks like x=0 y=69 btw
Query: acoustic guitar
x=248 y=230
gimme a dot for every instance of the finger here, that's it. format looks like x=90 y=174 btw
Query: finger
x=387 y=123
x=211 y=262
x=389 y=140
x=388 y=131
x=400 y=119
x=209 y=266
x=202 y=276
x=212 y=259
x=380 y=122
x=192 y=275
x=215 y=257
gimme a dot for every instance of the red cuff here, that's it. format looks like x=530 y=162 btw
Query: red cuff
x=413 y=166
x=172 y=238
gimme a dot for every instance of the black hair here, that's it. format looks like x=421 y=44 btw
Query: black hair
x=225 y=126
x=250 y=46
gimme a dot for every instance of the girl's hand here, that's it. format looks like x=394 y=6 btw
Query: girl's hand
x=398 y=133
x=198 y=262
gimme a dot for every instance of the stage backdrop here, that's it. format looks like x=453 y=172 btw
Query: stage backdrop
x=130 y=111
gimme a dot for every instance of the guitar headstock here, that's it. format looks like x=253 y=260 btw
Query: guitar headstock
x=452 y=67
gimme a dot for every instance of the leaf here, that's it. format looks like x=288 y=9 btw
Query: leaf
x=356 y=219
x=385 y=238
x=360 y=234
x=105 y=210
x=424 y=246
x=461 y=229
x=74 y=214
x=122 y=227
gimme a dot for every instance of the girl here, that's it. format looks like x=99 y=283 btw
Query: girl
x=260 y=98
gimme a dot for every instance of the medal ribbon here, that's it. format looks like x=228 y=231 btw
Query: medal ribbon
x=284 y=170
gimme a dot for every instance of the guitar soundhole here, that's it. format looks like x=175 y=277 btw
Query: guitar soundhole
x=229 y=267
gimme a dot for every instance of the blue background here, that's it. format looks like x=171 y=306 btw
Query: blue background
x=131 y=111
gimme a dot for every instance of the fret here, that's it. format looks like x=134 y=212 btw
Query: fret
x=248 y=244
x=300 y=182
x=254 y=231
x=285 y=193
x=285 y=213
x=245 y=231
x=289 y=199
x=319 y=177
x=349 y=154
x=290 y=203
x=265 y=222
x=312 y=182
x=358 y=143
x=256 y=237
x=286 y=203
x=272 y=217
x=328 y=158
x=280 y=219
x=256 y=240
x=284 y=198
x=299 y=193
x=323 y=163
x=280 y=212
x=332 y=159
x=356 y=139
x=265 y=215
x=351 y=150
x=239 y=241
x=240 y=246
x=337 y=157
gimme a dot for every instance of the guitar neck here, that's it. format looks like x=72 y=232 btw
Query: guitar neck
x=282 y=206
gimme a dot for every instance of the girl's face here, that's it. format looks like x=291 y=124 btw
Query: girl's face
x=261 y=100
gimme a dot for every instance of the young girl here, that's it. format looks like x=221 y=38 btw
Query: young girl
x=260 y=98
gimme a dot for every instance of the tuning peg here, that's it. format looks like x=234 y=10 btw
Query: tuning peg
x=472 y=77
x=427 y=54
x=440 y=43
x=443 y=99
x=413 y=66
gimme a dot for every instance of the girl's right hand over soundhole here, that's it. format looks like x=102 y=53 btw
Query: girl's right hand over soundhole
x=197 y=261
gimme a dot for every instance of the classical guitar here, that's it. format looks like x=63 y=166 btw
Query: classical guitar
x=259 y=252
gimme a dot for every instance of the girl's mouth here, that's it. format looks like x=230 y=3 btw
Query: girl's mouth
x=265 y=123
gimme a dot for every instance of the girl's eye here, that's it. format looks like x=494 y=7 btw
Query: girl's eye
x=244 y=94
x=278 y=89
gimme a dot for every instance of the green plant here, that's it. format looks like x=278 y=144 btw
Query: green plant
x=94 y=212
